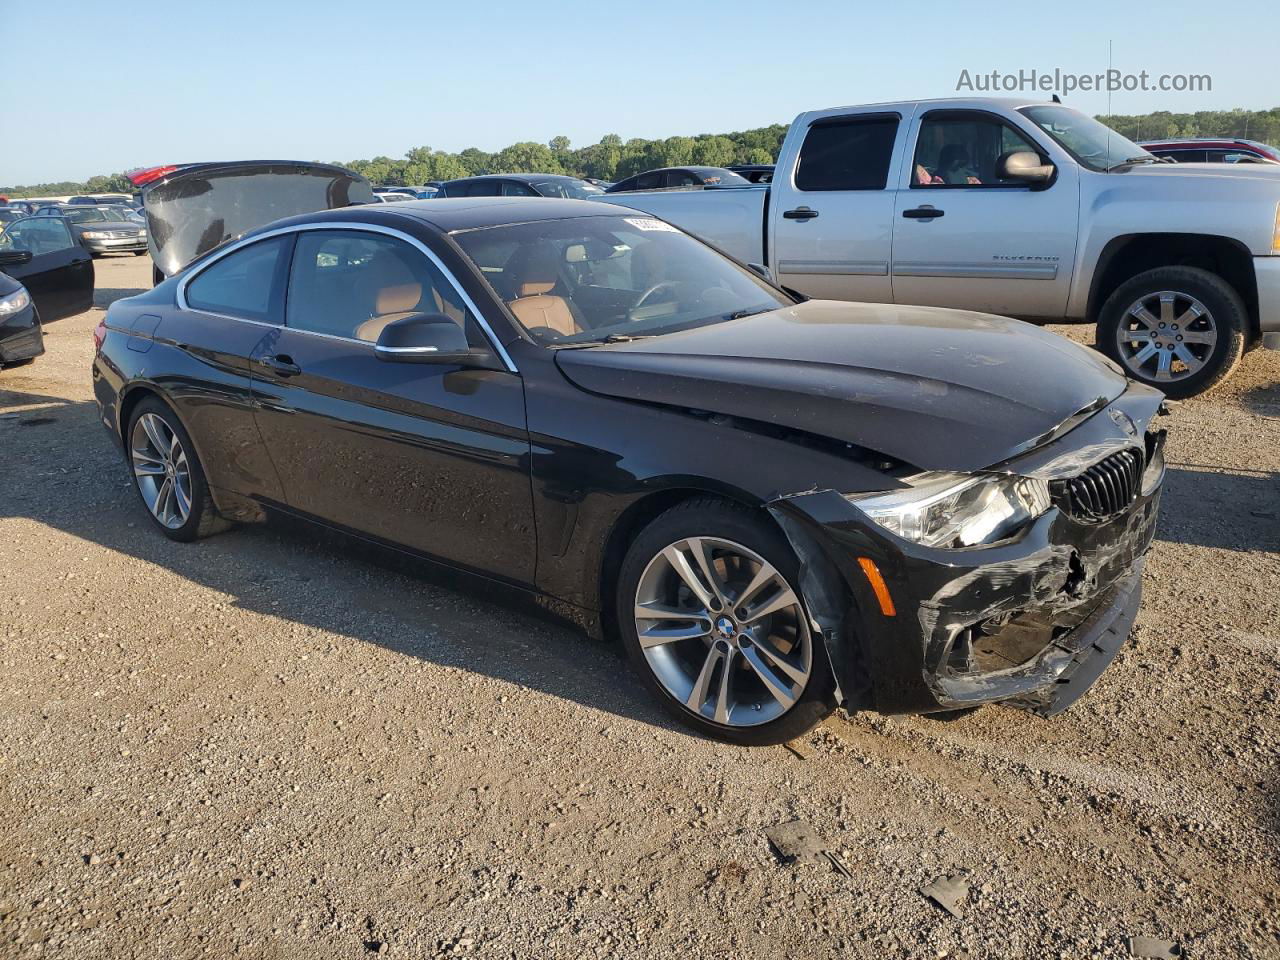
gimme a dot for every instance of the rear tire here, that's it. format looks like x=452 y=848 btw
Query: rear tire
x=17 y=363
x=167 y=474
x=731 y=654
x=1178 y=329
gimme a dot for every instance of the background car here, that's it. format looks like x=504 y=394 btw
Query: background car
x=21 y=339
x=44 y=254
x=106 y=198
x=413 y=193
x=755 y=172
x=234 y=196
x=667 y=178
x=521 y=185
x=27 y=207
x=103 y=229
x=1213 y=150
x=9 y=214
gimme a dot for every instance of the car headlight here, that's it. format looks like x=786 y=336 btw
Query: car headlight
x=957 y=510
x=1153 y=473
x=94 y=235
x=14 y=302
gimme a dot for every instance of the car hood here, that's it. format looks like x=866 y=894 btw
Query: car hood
x=109 y=225
x=938 y=389
x=1198 y=171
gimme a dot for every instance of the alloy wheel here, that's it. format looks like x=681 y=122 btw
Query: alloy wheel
x=723 y=631
x=161 y=470
x=1166 y=336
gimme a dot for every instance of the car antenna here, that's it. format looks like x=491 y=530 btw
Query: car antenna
x=1056 y=98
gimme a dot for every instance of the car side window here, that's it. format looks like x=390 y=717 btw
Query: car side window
x=847 y=153
x=647 y=181
x=964 y=149
x=682 y=178
x=242 y=284
x=352 y=284
x=38 y=235
x=483 y=188
x=1230 y=156
x=514 y=188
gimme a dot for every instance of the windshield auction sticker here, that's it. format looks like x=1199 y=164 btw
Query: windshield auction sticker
x=645 y=223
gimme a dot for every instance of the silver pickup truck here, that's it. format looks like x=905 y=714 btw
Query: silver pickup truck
x=1031 y=210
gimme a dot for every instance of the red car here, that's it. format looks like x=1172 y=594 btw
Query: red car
x=1209 y=150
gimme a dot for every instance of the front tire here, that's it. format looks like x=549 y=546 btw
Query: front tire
x=167 y=474
x=711 y=617
x=1178 y=329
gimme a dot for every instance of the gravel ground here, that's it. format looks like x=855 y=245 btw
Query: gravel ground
x=262 y=746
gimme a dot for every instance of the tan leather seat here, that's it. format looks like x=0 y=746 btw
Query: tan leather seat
x=391 y=304
x=536 y=269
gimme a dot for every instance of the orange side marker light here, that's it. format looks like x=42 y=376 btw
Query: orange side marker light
x=878 y=586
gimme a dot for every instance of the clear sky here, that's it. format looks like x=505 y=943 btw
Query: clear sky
x=98 y=87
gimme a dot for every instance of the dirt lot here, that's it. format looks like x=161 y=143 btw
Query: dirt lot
x=258 y=746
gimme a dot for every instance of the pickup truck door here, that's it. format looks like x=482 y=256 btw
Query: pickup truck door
x=964 y=238
x=831 y=216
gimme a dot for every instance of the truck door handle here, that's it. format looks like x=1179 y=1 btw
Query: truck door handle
x=281 y=365
x=799 y=213
x=923 y=213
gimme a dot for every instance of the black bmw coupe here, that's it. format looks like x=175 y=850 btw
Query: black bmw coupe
x=778 y=505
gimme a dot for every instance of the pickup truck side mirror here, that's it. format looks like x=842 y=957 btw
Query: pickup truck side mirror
x=428 y=338
x=13 y=258
x=1025 y=166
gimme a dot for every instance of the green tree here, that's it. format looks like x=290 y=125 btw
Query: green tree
x=714 y=151
x=476 y=161
x=526 y=157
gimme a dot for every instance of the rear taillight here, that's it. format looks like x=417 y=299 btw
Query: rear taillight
x=140 y=178
x=99 y=334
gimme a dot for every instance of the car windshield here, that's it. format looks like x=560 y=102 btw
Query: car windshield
x=589 y=279
x=1093 y=144
x=122 y=213
x=566 y=189
x=84 y=214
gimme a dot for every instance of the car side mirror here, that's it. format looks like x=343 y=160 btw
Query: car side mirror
x=12 y=258
x=761 y=270
x=1025 y=166
x=427 y=338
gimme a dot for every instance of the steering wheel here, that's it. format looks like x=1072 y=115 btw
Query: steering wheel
x=651 y=291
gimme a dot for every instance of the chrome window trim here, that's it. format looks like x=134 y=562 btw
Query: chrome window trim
x=181 y=295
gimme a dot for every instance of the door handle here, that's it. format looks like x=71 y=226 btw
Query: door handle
x=281 y=365
x=799 y=213
x=925 y=212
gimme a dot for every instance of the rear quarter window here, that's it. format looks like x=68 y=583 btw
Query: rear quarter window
x=242 y=284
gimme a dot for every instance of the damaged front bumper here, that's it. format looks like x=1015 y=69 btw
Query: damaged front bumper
x=1032 y=621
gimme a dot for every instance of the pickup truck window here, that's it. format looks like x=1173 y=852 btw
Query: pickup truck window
x=963 y=149
x=847 y=153
x=1091 y=143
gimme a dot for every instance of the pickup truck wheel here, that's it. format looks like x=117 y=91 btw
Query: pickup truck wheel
x=710 y=617
x=1178 y=329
